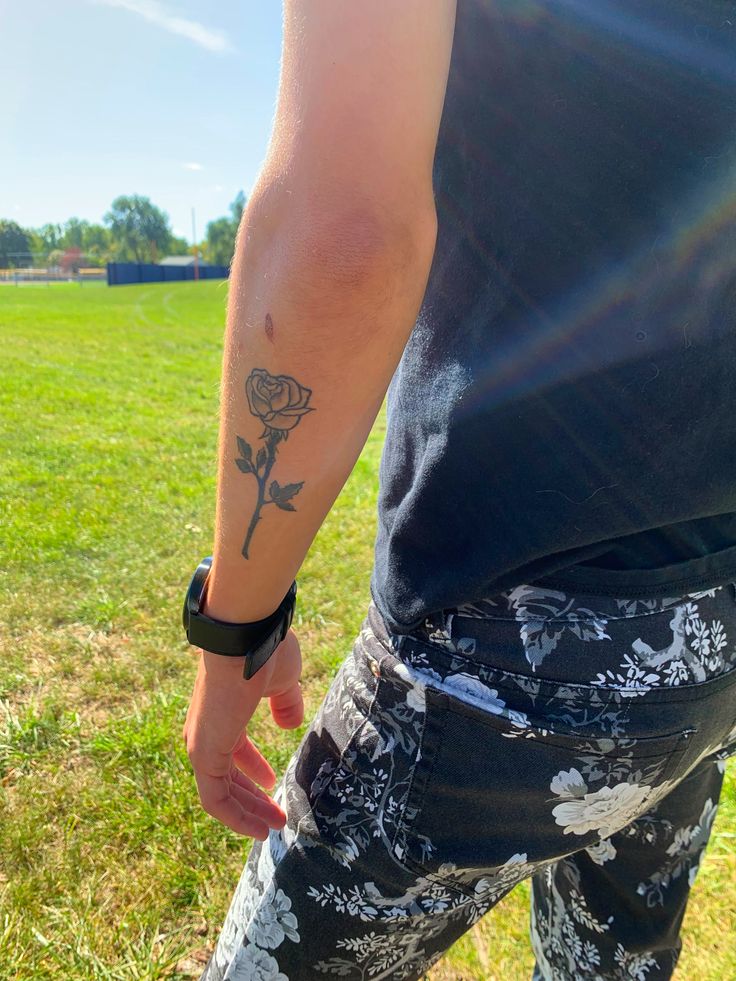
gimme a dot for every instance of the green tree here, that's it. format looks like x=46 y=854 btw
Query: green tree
x=222 y=232
x=140 y=231
x=73 y=232
x=178 y=246
x=220 y=241
x=46 y=239
x=14 y=241
x=97 y=244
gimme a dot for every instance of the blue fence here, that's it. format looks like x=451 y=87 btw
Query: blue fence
x=126 y=273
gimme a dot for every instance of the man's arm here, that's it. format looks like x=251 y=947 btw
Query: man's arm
x=330 y=268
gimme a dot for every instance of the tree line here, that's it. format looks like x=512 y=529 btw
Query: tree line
x=133 y=230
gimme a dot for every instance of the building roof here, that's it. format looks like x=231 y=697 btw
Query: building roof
x=180 y=260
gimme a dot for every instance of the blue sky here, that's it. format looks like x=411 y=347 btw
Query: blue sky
x=165 y=98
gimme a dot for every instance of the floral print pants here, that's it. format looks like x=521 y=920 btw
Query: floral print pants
x=577 y=740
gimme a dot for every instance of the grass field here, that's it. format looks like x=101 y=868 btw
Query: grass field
x=108 y=867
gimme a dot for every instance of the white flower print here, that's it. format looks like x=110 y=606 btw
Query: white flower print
x=681 y=841
x=479 y=694
x=691 y=616
x=603 y=851
x=571 y=939
x=569 y=783
x=254 y=964
x=633 y=966
x=228 y=941
x=718 y=635
x=580 y=912
x=708 y=814
x=628 y=687
x=415 y=699
x=273 y=920
x=355 y=903
x=463 y=686
x=437 y=900
x=418 y=680
x=701 y=638
x=676 y=672
x=636 y=674
x=241 y=909
x=606 y=810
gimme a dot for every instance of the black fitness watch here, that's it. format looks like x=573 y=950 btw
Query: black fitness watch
x=255 y=641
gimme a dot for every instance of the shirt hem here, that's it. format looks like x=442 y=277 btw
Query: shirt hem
x=706 y=572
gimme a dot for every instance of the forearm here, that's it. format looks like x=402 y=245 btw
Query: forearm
x=329 y=306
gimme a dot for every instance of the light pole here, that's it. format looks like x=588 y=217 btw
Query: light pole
x=196 y=250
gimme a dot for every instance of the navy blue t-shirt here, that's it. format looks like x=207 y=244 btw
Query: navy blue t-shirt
x=564 y=410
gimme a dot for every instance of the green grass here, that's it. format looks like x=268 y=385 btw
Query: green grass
x=108 y=867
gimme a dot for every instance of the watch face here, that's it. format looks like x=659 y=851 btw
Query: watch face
x=195 y=593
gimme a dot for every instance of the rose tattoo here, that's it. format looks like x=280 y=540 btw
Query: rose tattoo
x=279 y=402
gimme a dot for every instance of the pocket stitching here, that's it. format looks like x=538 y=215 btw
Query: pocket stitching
x=453 y=703
x=549 y=686
x=406 y=829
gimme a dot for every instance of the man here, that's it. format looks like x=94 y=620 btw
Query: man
x=520 y=213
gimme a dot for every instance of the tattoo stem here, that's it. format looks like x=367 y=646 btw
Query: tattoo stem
x=271 y=442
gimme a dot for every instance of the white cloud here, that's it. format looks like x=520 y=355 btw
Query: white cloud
x=157 y=13
x=192 y=166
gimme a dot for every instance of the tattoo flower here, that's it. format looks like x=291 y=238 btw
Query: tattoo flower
x=279 y=401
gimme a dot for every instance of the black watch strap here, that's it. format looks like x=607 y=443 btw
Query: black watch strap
x=255 y=641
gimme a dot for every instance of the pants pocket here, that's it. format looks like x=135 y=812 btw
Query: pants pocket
x=489 y=790
x=331 y=747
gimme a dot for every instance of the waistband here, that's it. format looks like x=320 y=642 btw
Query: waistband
x=623 y=644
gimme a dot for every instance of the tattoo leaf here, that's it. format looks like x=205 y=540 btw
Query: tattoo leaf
x=244 y=466
x=245 y=451
x=261 y=458
x=282 y=495
x=291 y=490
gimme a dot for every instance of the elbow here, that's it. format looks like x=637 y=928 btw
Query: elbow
x=344 y=250
x=359 y=251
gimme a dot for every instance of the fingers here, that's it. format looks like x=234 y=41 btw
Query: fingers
x=238 y=777
x=249 y=759
x=259 y=805
x=283 y=691
x=287 y=707
x=238 y=808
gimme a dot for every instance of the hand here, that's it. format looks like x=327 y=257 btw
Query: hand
x=227 y=766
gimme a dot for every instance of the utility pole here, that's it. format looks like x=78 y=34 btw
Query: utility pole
x=196 y=250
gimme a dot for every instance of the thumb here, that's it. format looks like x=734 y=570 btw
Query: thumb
x=287 y=707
